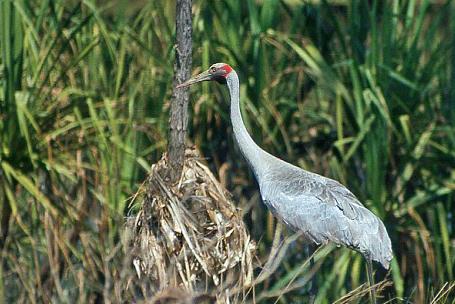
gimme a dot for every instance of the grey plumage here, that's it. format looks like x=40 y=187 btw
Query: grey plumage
x=324 y=210
x=321 y=208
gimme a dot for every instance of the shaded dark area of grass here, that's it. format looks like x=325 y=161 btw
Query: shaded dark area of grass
x=360 y=91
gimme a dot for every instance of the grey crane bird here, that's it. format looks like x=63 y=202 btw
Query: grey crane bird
x=321 y=208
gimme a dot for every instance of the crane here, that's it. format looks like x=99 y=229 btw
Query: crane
x=319 y=207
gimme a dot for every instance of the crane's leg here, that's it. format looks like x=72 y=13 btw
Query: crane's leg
x=371 y=281
x=314 y=287
x=313 y=284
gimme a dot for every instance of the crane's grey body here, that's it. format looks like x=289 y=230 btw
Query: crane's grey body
x=321 y=208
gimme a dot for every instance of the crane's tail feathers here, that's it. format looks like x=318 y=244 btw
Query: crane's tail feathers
x=380 y=247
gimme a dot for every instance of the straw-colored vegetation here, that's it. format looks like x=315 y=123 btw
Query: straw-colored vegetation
x=361 y=91
x=190 y=235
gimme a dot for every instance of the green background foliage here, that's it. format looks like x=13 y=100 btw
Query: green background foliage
x=360 y=91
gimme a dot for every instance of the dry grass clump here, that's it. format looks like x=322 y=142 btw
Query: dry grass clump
x=191 y=236
x=363 y=291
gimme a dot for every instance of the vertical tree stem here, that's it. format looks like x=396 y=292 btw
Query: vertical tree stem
x=179 y=104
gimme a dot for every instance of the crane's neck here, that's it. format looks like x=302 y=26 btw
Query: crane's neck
x=254 y=155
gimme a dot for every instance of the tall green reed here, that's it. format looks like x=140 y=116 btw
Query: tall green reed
x=82 y=116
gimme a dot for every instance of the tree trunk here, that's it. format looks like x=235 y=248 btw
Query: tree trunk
x=179 y=104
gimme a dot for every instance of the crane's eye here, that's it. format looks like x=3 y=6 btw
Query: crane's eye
x=212 y=69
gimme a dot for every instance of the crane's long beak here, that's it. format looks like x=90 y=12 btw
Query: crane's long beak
x=204 y=76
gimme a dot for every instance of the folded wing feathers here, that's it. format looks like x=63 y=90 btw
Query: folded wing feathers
x=325 y=210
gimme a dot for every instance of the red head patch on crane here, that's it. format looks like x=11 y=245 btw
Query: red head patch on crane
x=227 y=68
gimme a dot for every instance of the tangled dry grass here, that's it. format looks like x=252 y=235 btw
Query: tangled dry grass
x=190 y=237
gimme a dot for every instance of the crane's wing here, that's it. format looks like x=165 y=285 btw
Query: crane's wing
x=324 y=210
x=332 y=192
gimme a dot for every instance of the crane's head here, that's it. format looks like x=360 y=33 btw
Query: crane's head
x=218 y=72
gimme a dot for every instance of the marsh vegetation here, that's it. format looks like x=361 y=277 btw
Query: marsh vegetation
x=360 y=91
